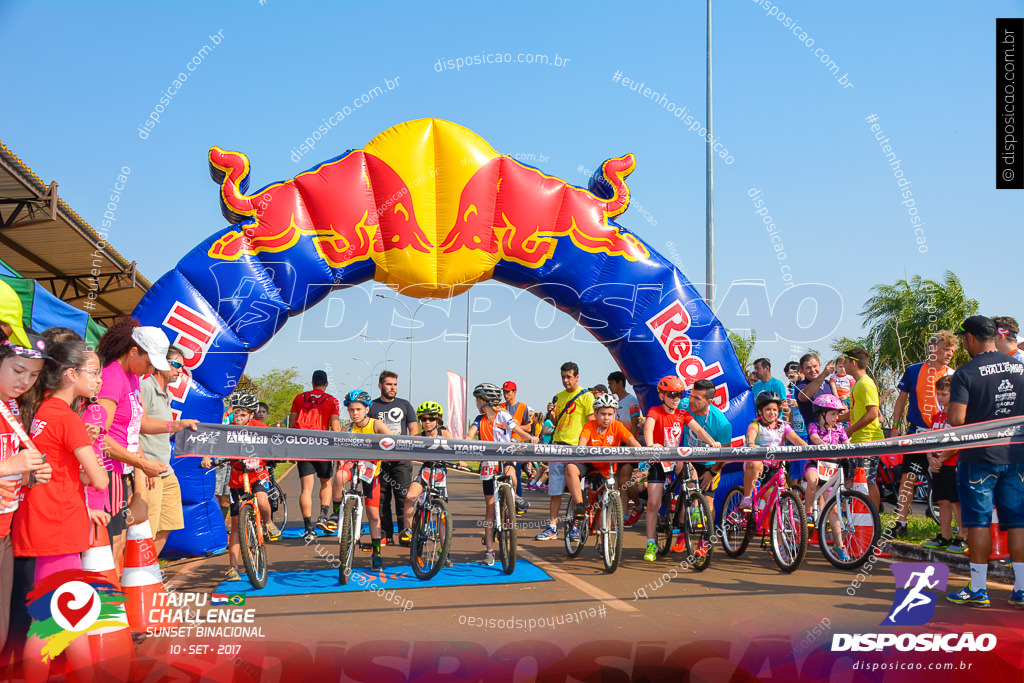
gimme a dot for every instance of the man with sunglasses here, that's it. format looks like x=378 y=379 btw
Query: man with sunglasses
x=162 y=492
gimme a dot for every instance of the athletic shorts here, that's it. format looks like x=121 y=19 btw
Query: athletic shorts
x=870 y=465
x=556 y=478
x=221 y=487
x=324 y=469
x=701 y=469
x=371 y=490
x=982 y=485
x=254 y=486
x=916 y=463
x=120 y=490
x=944 y=484
x=656 y=473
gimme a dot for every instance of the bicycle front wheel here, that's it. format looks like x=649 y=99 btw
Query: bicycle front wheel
x=254 y=553
x=612 y=528
x=506 y=530
x=737 y=528
x=859 y=525
x=347 y=535
x=431 y=538
x=788 y=532
x=698 y=531
x=278 y=506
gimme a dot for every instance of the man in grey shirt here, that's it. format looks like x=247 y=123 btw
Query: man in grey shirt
x=165 y=513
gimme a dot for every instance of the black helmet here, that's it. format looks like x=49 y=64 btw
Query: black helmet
x=247 y=401
x=766 y=397
x=489 y=393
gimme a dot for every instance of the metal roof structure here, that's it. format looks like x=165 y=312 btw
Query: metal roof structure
x=44 y=239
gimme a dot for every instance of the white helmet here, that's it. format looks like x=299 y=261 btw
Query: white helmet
x=608 y=400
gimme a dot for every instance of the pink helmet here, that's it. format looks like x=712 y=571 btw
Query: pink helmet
x=828 y=402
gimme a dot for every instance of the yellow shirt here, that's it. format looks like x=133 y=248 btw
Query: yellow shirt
x=365 y=429
x=571 y=425
x=863 y=395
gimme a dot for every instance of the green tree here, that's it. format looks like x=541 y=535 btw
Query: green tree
x=900 y=317
x=277 y=388
x=744 y=347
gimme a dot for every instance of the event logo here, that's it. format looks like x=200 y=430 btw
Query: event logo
x=670 y=326
x=912 y=606
x=70 y=603
x=387 y=443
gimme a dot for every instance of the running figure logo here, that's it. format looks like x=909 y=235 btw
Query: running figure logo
x=913 y=605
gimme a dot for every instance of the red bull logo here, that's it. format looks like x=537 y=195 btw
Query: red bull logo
x=670 y=326
x=430 y=202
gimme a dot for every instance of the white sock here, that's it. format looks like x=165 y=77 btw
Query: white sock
x=979 y=576
x=1018 y=576
x=651 y=540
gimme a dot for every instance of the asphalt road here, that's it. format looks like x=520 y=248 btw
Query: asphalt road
x=733 y=603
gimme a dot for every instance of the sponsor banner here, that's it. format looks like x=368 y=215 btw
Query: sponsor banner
x=230 y=441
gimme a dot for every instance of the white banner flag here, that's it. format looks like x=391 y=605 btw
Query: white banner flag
x=456 y=418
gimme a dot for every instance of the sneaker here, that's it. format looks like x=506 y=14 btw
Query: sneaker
x=1017 y=599
x=321 y=523
x=702 y=548
x=548 y=534
x=965 y=596
x=812 y=518
x=579 y=512
x=376 y=562
x=651 y=552
x=574 y=533
x=635 y=516
x=746 y=505
x=310 y=535
x=489 y=558
x=842 y=555
x=522 y=505
x=899 y=530
x=958 y=546
x=448 y=561
x=939 y=543
x=405 y=538
x=680 y=544
x=271 y=531
x=233 y=575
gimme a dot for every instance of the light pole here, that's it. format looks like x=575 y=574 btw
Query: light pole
x=412 y=318
x=386 y=348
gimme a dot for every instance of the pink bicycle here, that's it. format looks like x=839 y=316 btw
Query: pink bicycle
x=777 y=513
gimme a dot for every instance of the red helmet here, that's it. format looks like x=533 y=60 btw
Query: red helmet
x=671 y=383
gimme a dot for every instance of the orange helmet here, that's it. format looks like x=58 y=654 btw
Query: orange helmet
x=671 y=383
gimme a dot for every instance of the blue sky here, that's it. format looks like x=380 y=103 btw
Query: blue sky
x=87 y=81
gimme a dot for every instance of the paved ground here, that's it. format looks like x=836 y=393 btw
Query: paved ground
x=735 y=601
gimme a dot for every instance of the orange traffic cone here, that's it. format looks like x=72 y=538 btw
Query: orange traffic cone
x=860 y=481
x=142 y=580
x=999 y=551
x=112 y=646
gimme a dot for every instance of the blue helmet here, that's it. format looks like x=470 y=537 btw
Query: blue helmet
x=357 y=396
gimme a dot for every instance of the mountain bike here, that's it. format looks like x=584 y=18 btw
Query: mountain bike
x=685 y=511
x=603 y=516
x=431 y=524
x=250 y=533
x=777 y=513
x=351 y=516
x=848 y=519
x=505 y=521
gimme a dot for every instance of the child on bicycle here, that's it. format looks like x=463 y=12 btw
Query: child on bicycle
x=604 y=430
x=430 y=415
x=358 y=403
x=766 y=430
x=243 y=407
x=664 y=427
x=825 y=430
x=493 y=424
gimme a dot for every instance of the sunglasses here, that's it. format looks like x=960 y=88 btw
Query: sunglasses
x=432 y=418
x=673 y=394
x=176 y=364
x=94 y=373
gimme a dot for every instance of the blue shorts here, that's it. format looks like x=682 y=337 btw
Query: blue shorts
x=982 y=486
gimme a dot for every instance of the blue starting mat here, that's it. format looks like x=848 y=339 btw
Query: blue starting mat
x=298 y=531
x=396 y=578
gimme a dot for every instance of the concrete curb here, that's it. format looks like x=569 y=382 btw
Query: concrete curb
x=956 y=563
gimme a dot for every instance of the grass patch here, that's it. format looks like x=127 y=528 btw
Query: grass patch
x=919 y=528
x=282 y=467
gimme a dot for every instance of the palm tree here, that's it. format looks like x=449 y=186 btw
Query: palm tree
x=902 y=316
x=744 y=347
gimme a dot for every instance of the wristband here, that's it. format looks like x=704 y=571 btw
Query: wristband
x=169 y=426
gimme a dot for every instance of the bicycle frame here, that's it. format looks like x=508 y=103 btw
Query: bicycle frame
x=353 y=493
x=769 y=492
x=500 y=479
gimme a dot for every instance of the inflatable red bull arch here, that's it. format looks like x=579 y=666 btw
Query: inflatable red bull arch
x=429 y=208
